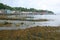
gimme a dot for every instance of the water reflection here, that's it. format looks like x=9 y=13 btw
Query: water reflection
x=53 y=20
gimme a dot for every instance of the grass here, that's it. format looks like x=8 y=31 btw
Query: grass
x=33 y=33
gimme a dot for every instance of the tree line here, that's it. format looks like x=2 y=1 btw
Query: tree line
x=3 y=6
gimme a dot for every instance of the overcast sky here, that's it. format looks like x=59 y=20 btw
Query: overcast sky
x=52 y=5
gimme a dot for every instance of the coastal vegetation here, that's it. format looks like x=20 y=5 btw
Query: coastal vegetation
x=33 y=33
x=3 y=6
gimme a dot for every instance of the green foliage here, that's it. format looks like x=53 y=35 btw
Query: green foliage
x=3 y=6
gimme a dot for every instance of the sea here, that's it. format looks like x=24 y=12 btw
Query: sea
x=53 y=21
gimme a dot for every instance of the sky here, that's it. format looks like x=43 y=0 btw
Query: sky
x=52 y=5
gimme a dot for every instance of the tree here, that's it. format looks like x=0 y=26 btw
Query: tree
x=3 y=6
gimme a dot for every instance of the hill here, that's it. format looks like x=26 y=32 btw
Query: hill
x=3 y=6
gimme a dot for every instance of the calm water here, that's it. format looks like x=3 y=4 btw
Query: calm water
x=54 y=20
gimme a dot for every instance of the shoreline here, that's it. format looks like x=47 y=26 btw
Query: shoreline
x=41 y=33
x=23 y=28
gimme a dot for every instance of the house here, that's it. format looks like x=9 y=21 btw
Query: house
x=2 y=11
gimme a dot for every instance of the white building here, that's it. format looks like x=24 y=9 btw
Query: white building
x=2 y=11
